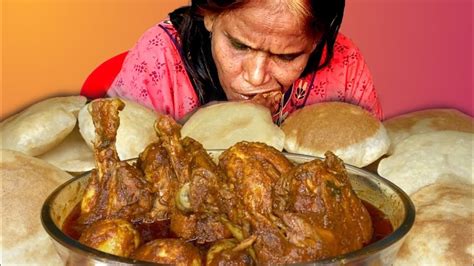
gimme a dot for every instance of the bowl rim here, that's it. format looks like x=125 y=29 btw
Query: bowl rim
x=59 y=236
x=397 y=235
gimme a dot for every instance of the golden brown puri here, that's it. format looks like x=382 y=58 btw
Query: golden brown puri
x=349 y=131
x=169 y=251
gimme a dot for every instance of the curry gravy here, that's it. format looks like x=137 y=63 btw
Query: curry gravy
x=161 y=229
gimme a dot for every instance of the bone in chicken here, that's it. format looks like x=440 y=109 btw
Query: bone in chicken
x=116 y=189
x=256 y=206
x=156 y=166
x=194 y=211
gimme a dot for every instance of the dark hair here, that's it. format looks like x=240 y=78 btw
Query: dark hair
x=196 y=47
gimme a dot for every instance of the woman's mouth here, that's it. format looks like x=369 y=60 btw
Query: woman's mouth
x=271 y=100
x=255 y=91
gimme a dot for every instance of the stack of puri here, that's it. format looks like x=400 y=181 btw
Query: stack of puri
x=431 y=158
x=60 y=131
x=26 y=181
x=42 y=147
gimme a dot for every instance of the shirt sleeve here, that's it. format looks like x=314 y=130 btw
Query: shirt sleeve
x=346 y=78
x=154 y=75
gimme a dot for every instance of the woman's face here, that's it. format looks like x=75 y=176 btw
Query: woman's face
x=258 y=49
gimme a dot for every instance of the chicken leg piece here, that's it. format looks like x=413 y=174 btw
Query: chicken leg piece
x=194 y=212
x=155 y=164
x=115 y=189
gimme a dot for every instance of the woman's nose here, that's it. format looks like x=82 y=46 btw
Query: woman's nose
x=256 y=70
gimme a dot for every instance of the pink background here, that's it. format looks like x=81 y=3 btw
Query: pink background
x=419 y=51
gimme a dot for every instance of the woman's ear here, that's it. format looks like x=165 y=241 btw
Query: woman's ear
x=209 y=21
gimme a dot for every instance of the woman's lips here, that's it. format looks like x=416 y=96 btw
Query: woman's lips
x=240 y=97
x=271 y=100
x=255 y=91
x=268 y=98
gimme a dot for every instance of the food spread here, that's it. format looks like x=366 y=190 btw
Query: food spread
x=252 y=206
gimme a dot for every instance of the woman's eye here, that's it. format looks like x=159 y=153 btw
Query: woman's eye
x=239 y=46
x=287 y=58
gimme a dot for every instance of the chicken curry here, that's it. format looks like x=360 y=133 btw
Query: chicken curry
x=254 y=206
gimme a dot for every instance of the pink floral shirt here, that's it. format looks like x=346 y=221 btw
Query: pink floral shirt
x=154 y=75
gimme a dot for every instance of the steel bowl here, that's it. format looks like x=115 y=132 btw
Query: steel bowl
x=379 y=192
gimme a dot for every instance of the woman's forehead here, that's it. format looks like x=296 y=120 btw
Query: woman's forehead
x=267 y=15
x=299 y=9
x=276 y=31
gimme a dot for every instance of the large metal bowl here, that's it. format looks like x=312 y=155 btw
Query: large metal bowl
x=370 y=187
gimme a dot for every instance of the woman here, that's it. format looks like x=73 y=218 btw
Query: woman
x=284 y=54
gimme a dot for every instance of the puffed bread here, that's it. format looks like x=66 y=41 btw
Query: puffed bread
x=26 y=182
x=350 y=132
x=442 y=233
x=423 y=159
x=424 y=121
x=42 y=126
x=221 y=125
x=72 y=154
